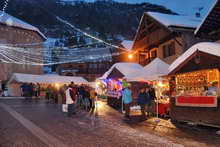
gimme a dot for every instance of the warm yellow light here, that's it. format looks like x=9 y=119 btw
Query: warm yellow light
x=130 y=56
x=99 y=105
x=160 y=84
x=97 y=84
x=57 y=85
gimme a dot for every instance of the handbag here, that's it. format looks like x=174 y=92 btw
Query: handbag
x=64 y=107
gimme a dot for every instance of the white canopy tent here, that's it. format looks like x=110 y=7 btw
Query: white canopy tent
x=45 y=79
x=152 y=71
x=127 y=69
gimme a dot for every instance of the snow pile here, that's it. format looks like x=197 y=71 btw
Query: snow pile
x=15 y=22
x=175 y=20
x=206 y=47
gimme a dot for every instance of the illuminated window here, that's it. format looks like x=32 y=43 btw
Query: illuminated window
x=154 y=54
x=169 y=50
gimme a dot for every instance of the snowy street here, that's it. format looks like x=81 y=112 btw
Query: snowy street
x=37 y=123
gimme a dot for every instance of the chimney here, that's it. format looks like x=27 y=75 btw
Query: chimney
x=198 y=15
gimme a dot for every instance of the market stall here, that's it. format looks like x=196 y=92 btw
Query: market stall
x=44 y=80
x=112 y=82
x=154 y=74
x=194 y=85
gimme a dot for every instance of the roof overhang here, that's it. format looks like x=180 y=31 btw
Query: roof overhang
x=197 y=61
x=209 y=27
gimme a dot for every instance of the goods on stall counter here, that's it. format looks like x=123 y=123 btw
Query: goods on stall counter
x=163 y=100
x=116 y=94
x=125 y=83
x=135 y=108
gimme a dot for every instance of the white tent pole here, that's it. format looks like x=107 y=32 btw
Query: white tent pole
x=157 y=105
x=122 y=105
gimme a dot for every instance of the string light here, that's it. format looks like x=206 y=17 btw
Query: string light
x=4 y=7
x=11 y=56
x=40 y=56
x=88 y=35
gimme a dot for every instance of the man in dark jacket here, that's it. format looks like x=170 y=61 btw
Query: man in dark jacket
x=151 y=104
x=143 y=100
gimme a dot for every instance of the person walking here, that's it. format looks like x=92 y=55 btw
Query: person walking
x=48 y=92
x=127 y=99
x=93 y=98
x=81 y=95
x=70 y=100
x=151 y=105
x=143 y=100
x=38 y=90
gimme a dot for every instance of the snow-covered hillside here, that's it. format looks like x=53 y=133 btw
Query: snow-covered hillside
x=187 y=7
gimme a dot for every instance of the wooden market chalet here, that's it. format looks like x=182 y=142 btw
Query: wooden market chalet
x=165 y=36
x=197 y=68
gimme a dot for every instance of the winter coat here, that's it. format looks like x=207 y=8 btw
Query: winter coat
x=143 y=98
x=152 y=94
x=126 y=96
x=70 y=97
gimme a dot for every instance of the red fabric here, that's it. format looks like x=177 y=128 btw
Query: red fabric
x=162 y=108
x=196 y=100
x=199 y=101
x=73 y=92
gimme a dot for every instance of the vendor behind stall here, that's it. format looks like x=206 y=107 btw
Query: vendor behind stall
x=127 y=99
x=213 y=90
x=144 y=100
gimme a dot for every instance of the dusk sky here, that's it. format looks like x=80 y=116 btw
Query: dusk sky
x=186 y=7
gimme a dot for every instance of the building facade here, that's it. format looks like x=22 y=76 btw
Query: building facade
x=15 y=32
x=165 y=36
x=91 y=62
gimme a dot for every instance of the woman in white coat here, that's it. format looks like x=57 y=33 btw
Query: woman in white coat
x=70 y=100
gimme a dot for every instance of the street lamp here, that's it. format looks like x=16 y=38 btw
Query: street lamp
x=130 y=56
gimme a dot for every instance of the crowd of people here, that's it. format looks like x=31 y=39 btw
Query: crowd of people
x=30 y=90
x=145 y=99
x=82 y=96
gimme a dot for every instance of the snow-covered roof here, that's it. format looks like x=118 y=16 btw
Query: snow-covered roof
x=153 y=71
x=15 y=22
x=48 y=79
x=207 y=15
x=128 y=44
x=206 y=47
x=127 y=69
x=175 y=20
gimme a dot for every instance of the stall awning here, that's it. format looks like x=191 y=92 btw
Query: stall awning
x=200 y=56
x=153 y=71
x=45 y=79
x=122 y=70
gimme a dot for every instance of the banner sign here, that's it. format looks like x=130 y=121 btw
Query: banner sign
x=197 y=101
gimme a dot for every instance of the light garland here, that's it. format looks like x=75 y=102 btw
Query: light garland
x=88 y=35
x=4 y=7
x=14 y=56
x=40 y=56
